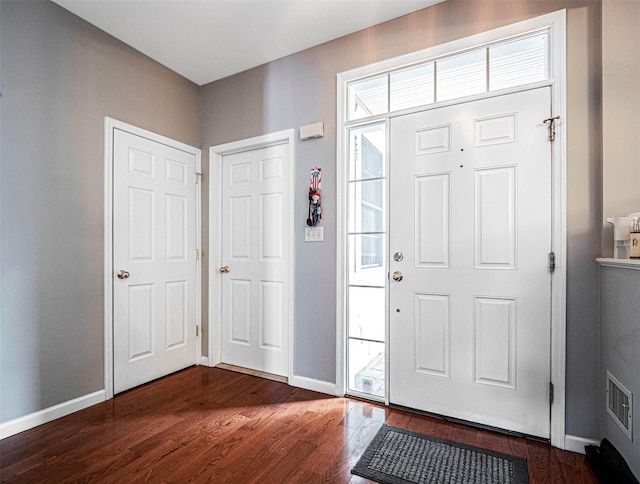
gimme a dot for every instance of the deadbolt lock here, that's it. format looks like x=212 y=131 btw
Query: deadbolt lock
x=398 y=256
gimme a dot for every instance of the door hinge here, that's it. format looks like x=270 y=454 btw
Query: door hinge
x=197 y=177
x=551 y=392
x=552 y=127
x=552 y=261
x=197 y=330
x=196 y=254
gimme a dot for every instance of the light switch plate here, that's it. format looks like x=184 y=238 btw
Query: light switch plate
x=314 y=234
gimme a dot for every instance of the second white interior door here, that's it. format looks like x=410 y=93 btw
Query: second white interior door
x=470 y=220
x=256 y=235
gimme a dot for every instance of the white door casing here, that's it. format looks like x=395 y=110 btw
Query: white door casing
x=470 y=185
x=155 y=238
x=254 y=243
x=556 y=22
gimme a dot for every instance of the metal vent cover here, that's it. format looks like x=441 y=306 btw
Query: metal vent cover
x=620 y=404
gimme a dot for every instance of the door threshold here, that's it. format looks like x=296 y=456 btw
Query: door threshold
x=249 y=371
x=365 y=398
x=469 y=423
x=445 y=418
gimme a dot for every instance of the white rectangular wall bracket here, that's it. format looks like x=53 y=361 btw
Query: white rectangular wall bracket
x=311 y=131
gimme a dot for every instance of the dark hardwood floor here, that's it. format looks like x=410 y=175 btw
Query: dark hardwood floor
x=212 y=425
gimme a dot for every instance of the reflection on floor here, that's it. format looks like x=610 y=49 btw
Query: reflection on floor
x=370 y=379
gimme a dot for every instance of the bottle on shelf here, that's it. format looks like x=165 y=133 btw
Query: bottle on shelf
x=634 y=238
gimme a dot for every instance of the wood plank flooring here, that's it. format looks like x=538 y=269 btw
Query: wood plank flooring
x=213 y=425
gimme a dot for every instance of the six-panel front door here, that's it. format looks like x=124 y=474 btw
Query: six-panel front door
x=470 y=213
x=154 y=239
x=256 y=259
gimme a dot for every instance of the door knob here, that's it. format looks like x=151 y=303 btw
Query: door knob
x=397 y=276
x=224 y=269
x=122 y=274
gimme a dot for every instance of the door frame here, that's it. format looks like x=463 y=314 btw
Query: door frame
x=216 y=155
x=110 y=125
x=556 y=23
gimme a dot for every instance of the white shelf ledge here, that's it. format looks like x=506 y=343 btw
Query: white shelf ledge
x=620 y=263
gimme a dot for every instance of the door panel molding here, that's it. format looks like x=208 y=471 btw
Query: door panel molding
x=110 y=125
x=269 y=169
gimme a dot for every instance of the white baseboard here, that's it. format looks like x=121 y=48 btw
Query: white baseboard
x=204 y=361
x=576 y=444
x=27 y=422
x=313 y=385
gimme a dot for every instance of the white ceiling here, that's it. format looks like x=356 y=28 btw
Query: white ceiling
x=206 y=40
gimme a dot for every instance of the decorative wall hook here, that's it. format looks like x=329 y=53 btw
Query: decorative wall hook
x=552 y=127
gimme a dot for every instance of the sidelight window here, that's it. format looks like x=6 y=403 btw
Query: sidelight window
x=366 y=294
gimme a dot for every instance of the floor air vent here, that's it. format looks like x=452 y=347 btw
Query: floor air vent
x=619 y=404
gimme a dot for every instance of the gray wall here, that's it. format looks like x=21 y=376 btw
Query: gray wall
x=59 y=78
x=301 y=89
x=620 y=298
x=621 y=352
x=620 y=108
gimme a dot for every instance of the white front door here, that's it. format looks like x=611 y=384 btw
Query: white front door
x=470 y=235
x=154 y=242
x=256 y=233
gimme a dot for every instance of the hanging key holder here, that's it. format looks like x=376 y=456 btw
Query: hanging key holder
x=315 y=206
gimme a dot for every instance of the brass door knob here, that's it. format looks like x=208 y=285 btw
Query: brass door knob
x=224 y=269
x=122 y=274
x=397 y=276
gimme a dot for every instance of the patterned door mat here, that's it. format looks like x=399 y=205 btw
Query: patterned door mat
x=399 y=456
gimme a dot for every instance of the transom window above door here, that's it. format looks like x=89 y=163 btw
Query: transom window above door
x=502 y=65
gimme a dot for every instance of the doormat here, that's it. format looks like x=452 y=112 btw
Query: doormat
x=399 y=456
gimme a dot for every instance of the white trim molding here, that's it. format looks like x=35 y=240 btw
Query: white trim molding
x=558 y=64
x=314 y=385
x=619 y=263
x=555 y=23
x=63 y=409
x=110 y=125
x=216 y=153
x=577 y=444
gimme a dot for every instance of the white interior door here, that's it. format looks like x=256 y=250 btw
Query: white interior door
x=256 y=234
x=470 y=211
x=154 y=242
